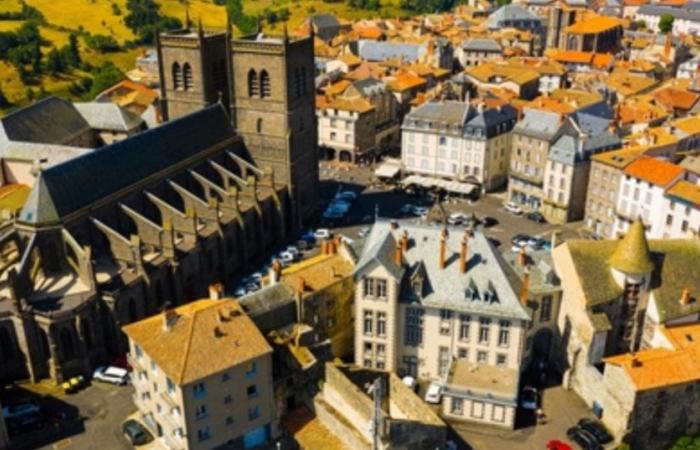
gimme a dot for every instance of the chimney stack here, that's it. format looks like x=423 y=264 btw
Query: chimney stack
x=216 y=291
x=301 y=286
x=522 y=257
x=525 y=289
x=275 y=271
x=463 y=254
x=685 y=297
x=398 y=253
x=404 y=241
x=169 y=317
x=443 y=248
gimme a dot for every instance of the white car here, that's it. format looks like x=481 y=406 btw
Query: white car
x=113 y=375
x=457 y=218
x=322 y=233
x=513 y=208
x=420 y=210
x=434 y=393
x=287 y=257
x=364 y=231
x=410 y=382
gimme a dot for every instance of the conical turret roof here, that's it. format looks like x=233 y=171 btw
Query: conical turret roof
x=632 y=254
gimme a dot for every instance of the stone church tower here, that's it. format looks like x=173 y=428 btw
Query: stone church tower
x=268 y=88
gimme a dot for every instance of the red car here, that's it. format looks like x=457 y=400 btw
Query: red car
x=558 y=445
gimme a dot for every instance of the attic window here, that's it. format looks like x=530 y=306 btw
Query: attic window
x=472 y=292
x=417 y=285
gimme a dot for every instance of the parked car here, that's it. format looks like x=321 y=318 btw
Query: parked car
x=488 y=221
x=420 y=210
x=536 y=217
x=74 y=384
x=287 y=257
x=583 y=438
x=555 y=444
x=294 y=250
x=513 y=208
x=456 y=218
x=519 y=240
x=309 y=237
x=135 y=433
x=19 y=410
x=410 y=382
x=434 y=393
x=364 y=231
x=347 y=195
x=529 y=398
x=406 y=209
x=597 y=429
x=24 y=424
x=303 y=245
x=322 y=233
x=113 y=375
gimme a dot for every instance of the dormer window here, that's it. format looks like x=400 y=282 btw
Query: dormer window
x=472 y=292
x=417 y=285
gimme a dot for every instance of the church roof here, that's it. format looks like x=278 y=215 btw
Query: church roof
x=48 y=121
x=632 y=253
x=67 y=187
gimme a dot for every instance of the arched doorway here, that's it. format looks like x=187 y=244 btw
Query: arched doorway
x=345 y=156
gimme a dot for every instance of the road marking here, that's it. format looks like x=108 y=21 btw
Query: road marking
x=65 y=443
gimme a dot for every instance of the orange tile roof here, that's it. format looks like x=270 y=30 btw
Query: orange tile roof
x=654 y=171
x=404 y=81
x=690 y=125
x=683 y=336
x=635 y=2
x=674 y=98
x=658 y=368
x=317 y=273
x=685 y=190
x=593 y=25
x=597 y=60
x=354 y=104
x=178 y=350
x=337 y=87
x=619 y=158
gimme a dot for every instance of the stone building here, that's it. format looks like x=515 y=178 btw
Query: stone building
x=109 y=237
x=347 y=408
x=203 y=377
x=267 y=85
x=618 y=297
x=426 y=298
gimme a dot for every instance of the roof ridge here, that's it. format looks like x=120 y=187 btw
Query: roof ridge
x=188 y=344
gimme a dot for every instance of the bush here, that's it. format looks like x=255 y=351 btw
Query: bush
x=103 y=77
x=102 y=43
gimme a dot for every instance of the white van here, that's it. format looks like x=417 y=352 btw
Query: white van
x=113 y=375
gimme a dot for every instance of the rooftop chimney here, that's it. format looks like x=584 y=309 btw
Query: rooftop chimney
x=525 y=289
x=398 y=253
x=522 y=257
x=443 y=248
x=275 y=271
x=685 y=297
x=404 y=241
x=301 y=286
x=216 y=291
x=169 y=318
x=464 y=253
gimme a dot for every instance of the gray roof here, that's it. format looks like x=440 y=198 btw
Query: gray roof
x=509 y=15
x=109 y=116
x=47 y=154
x=571 y=149
x=543 y=278
x=460 y=118
x=79 y=182
x=684 y=13
x=271 y=308
x=489 y=286
x=324 y=20
x=439 y=114
x=481 y=45
x=381 y=51
x=49 y=121
x=369 y=86
x=539 y=124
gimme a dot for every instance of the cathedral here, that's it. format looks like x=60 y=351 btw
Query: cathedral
x=120 y=232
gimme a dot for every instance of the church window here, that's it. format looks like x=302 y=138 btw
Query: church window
x=187 y=76
x=253 y=87
x=177 y=76
x=264 y=84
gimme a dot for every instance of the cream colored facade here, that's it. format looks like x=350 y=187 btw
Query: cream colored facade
x=233 y=406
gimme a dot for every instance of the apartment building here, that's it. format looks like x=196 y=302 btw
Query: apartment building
x=567 y=171
x=346 y=128
x=532 y=138
x=607 y=169
x=642 y=194
x=203 y=376
x=459 y=141
x=475 y=51
x=430 y=302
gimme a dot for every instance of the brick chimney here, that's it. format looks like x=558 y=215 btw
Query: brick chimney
x=216 y=291
x=398 y=253
x=525 y=289
x=275 y=271
x=301 y=286
x=522 y=257
x=685 y=297
x=463 y=253
x=169 y=317
x=667 y=45
x=404 y=241
x=443 y=248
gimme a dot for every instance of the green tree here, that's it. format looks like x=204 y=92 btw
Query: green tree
x=54 y=62
x=4 y=102
x=72 y=51
x=666 y=23
x=29 y=94
x=103 y=77
x=144 y=19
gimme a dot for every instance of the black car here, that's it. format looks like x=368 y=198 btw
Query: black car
x=597 y=429
x=583 y=438
x=536 y=217
x=518 y=238
x=135 y=433
x=487 y=221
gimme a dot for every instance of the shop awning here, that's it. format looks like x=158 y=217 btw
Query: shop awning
x=449 y=186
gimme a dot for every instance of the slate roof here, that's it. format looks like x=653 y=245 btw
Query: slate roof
x=109 y=116
x=539 y=124
x=381 y=51
x=481 y=45
x=571 y=149
x=79 y=182
x=677 y=13
x=49 y=121
x=510 y=13
x=494 y=285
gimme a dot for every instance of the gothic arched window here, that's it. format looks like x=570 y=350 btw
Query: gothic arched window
x=187 y=76
x=264 y=84
x=177 y=76
x=253 y=87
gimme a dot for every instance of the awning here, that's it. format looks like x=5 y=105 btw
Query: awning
x=388 y=169
x=450 y=186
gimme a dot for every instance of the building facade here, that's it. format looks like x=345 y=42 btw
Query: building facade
x=203 y=377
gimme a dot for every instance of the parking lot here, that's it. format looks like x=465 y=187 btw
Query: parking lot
x=88 y=419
